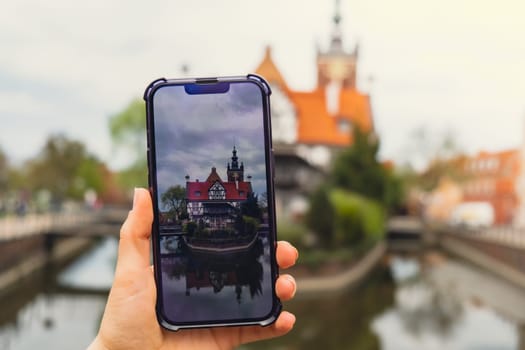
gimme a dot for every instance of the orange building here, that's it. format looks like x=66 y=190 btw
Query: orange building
x=325 y=116
x=487 y=177
x=493 y=177
x=310 y=127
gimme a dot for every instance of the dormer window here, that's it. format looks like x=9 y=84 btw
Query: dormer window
x=344 y=125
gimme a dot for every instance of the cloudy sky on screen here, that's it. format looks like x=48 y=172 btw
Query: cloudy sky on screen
x=67 y=66
x=197 y=132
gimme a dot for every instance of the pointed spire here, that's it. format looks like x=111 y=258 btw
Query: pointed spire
x=235 y=164
x=213 y=177
x=336 y=44
x=336 y=64
x=234 y=172
x=269 y=70
x=234 y=158
x=337 y=16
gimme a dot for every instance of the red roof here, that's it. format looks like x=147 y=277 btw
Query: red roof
x=198 y=191
x=269 y=70
x=315 y=124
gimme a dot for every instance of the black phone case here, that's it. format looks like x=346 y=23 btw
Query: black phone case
x=270 y=174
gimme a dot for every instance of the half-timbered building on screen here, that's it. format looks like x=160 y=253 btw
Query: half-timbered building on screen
x=214 y=202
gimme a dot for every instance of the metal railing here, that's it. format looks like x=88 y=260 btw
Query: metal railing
x=511 y=236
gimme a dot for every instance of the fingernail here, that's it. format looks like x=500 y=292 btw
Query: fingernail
x=135 y=196
x=292 y=282
x=295 y=249
x=290 y=317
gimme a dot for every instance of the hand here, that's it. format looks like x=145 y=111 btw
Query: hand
x=130 y=321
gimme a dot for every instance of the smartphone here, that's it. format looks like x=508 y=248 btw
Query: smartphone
x=210 y=164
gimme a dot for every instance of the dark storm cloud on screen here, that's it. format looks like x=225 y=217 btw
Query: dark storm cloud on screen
x=196 y=132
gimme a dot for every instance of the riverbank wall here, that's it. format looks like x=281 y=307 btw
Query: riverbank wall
x=307 y=286
x=21 y=258
x=504 y=261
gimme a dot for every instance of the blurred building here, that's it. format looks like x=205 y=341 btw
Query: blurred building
x=442 y=201
x=487 y=177
x=519 y=217
x=492 y=177
x=309 y=127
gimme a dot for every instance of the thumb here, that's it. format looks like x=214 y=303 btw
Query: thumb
x=134 y=245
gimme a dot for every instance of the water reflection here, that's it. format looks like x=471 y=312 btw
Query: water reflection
x=201 y=270
x=421 y=307
x=430 y=315
x=427 y=302
x=93 y=271
x=337 y=321
x=409 y=303
x=54 y=321
x=59 y=308
x=232 y=279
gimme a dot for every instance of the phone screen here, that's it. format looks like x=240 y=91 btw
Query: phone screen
x=215 y=227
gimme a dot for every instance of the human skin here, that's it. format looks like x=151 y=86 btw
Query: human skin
x=130 y=321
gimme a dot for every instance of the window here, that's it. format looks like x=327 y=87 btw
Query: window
x=344 y=125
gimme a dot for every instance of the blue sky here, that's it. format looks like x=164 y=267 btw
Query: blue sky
x=67 y=66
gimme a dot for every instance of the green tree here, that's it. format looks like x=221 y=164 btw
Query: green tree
x=65 y=168
x=357 y=169
x=349 y=207
x=357 y=219
x=4 y=172
x=128 y=132
x=250 y=207
x=174 y=199
x=320 y=216
x=251 y=225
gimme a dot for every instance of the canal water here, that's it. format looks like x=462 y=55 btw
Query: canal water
x=428 y=301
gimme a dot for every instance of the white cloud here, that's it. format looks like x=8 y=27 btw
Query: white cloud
x=443 y=63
